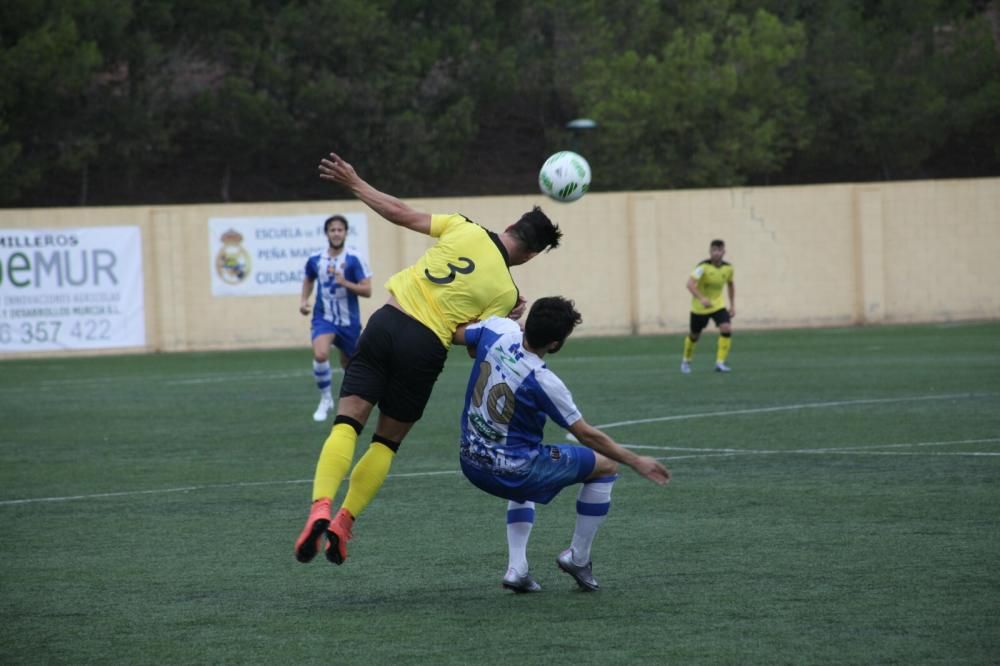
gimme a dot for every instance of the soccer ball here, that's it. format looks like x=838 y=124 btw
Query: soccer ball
x=565 y=176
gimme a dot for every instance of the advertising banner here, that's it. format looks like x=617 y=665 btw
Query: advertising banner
x=262 y=256
x=71 y=289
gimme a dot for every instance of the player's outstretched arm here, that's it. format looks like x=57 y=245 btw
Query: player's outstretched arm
x=596 y=439
x=337 y=170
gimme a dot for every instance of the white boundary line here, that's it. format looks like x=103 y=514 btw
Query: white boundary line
x=786 y=408
x=873 y=449
x=187 y=489
x=248 y=376
x=215 y=379
x=242 y=376
x=695 y=452
x=869 y=450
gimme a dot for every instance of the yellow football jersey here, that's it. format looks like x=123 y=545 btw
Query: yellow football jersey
x=463 y=277
x=711 y=280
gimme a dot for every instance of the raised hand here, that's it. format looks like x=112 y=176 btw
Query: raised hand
x=336 y=169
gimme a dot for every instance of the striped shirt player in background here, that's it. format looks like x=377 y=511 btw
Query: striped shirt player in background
x=336 y=318
x=510 y=392
x=705 y=284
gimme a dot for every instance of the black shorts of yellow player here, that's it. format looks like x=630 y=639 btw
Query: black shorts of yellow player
x=700 y=321
x=396 y=364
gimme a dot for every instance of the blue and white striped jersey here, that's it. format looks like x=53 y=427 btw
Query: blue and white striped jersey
x=335 y=303
x=510 y=393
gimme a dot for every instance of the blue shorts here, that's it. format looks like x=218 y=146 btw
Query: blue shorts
x=345 y=337
x=553 y=469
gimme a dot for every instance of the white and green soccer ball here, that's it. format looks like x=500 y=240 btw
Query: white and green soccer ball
x=565 y=176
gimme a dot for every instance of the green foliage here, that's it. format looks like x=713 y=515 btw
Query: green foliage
x=45 y=73
x=715 y=104
x=892 y=86
x=143 y=101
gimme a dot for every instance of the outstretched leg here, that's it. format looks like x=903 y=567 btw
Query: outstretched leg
x=592 y=506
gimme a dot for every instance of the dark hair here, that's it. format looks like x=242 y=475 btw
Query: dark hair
x=551 y=319
x=335 y=218
x=718 y=243
x=536 y=231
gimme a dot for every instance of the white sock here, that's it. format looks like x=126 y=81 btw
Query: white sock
x=324 y=378
x=592 y=506
x=520 y=520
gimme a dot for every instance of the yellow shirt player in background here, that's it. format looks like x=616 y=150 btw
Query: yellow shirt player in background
x=705 y=284
x=463 y=277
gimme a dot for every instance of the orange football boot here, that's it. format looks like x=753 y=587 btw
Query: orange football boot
x=337 y=536
x=307 y=544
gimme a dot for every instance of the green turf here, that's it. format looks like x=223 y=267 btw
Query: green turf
x=856 y=518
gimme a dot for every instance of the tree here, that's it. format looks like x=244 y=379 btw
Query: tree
x=897 y=86
x=146 y=101
x=717 y=102
x=46 y=69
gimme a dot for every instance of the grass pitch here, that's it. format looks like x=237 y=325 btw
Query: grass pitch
x=836 y=499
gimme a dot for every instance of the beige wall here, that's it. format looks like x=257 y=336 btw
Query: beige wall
x=804 y=256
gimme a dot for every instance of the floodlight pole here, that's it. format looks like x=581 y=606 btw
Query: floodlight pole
x=578 y=127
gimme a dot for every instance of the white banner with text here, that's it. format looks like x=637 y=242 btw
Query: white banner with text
x=71 y=289
x=263 y=256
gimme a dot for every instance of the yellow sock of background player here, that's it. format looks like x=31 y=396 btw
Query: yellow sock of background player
x=335 y=459
x=725 y=342
x=369 y=474
x=688 y=348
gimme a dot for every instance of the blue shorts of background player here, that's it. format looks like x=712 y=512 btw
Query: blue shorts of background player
x=554 y=468
x=345 y=337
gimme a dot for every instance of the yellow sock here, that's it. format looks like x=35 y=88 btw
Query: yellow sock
x=367 y=477
x=334 y=460
x=725 y=342
x=688 y=348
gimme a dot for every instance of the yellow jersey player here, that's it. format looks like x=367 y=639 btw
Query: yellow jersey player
x=705 y=284
x=463 y=277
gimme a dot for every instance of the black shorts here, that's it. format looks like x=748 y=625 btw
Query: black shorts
x=700 y=321
x=397 y=361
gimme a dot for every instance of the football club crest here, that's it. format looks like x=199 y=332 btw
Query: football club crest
x=266 y=256
x=232 y=263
